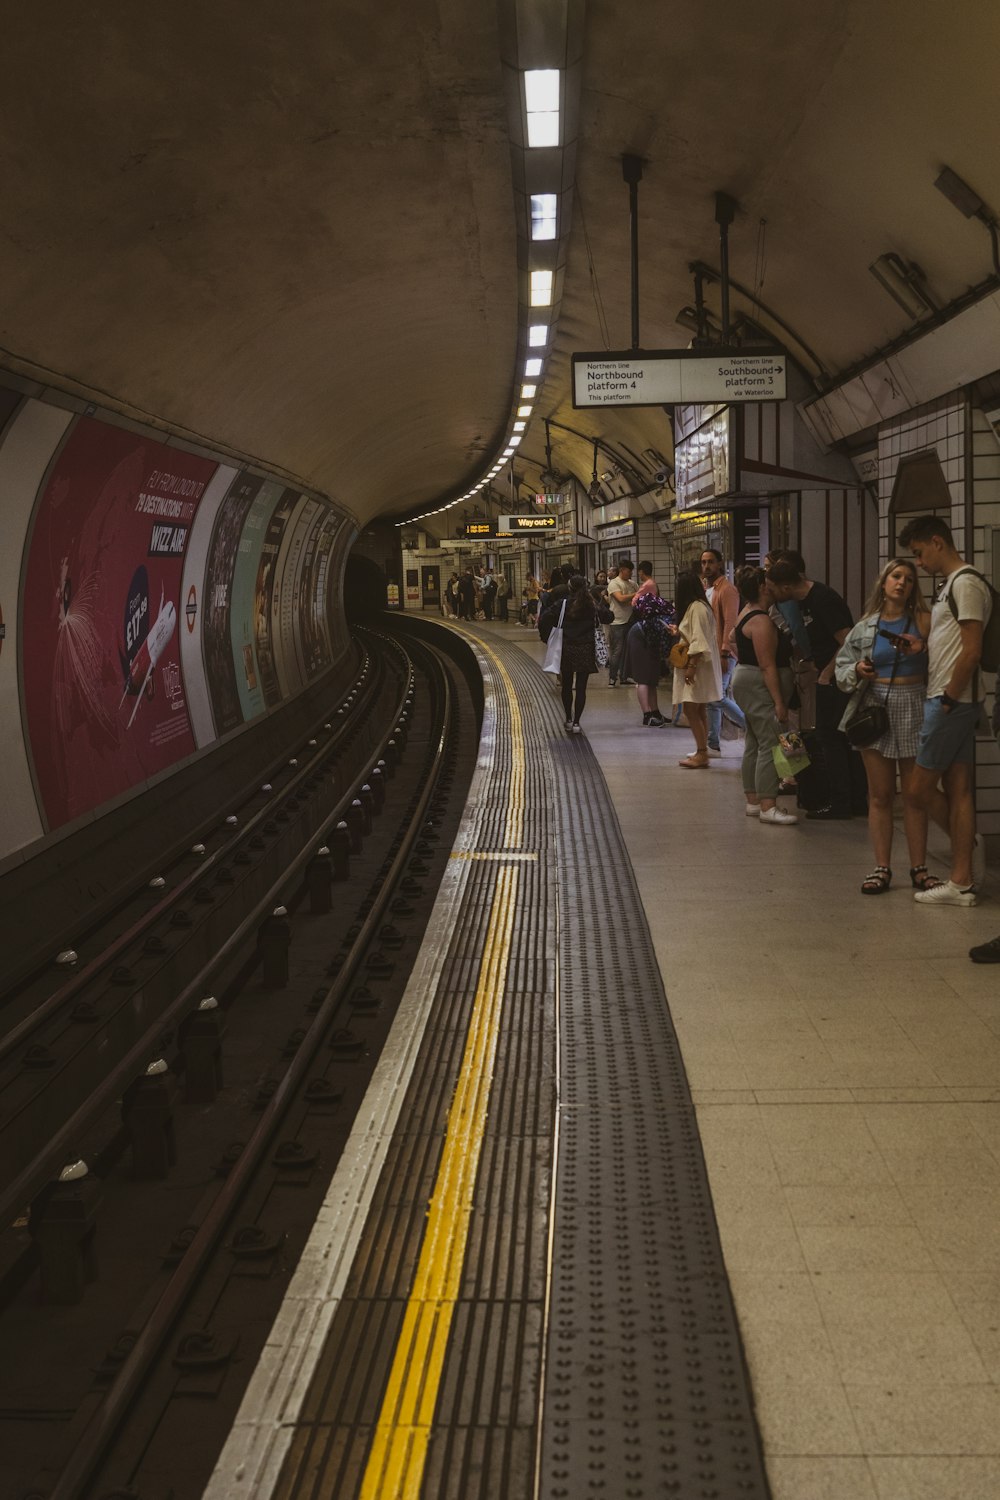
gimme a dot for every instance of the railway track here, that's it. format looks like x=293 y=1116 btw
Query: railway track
x=268 y=1135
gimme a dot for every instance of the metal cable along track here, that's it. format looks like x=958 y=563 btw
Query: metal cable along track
x=639 y=1373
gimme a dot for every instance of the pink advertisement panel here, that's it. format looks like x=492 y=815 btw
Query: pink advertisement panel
x=103 y=691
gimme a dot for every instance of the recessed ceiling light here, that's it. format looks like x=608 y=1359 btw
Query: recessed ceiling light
x=532 y=367
x=538 y=335
x=543 y=216
x=541 y=288
x=541 y=106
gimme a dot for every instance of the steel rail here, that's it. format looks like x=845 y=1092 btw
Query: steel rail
x=79 y=1469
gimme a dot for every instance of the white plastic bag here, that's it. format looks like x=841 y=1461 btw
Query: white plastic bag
x=554 y=645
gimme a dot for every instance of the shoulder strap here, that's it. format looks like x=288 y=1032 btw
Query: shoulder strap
x=950 y=582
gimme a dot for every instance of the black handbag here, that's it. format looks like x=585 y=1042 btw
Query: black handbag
x=871 y=722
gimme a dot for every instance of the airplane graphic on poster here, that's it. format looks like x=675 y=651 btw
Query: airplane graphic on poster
x=140 y=672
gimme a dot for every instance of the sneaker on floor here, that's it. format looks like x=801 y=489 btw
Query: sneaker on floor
x=655 y=721
x=577 y=729
x=612 y=682
x=986 y=953
x=946 y=894
x=753 y=810
x=569 y=723
x=778 y=815
x=978 y=863
x=715 y=749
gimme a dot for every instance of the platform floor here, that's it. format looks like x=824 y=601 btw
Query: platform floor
x=844 y=1058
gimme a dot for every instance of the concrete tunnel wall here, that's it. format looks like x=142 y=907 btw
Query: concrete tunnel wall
x=156 y=600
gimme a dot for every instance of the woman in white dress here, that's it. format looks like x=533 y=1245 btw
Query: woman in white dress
x=700 y=682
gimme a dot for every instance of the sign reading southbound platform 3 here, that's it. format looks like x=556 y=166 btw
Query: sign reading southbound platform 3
x=520 y=525
x=671 y=377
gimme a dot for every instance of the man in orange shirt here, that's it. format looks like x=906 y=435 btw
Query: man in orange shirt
x=725 y=602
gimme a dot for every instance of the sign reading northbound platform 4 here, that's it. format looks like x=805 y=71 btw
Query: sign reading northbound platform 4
x=671 y=377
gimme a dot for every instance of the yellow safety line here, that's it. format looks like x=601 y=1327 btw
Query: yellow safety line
x=399 y=1448
x=500 y=854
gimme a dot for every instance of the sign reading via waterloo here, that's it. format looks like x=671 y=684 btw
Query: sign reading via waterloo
x=515 y=524
x=671 y=377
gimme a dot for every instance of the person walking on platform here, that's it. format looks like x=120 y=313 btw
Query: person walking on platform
x=762 y=686
x=947 y=748
x=503 y=599
x=827 y=621
x=620 y=593
x=725 y=602
x=884 y=661
x=700 y=682
x=579 y=656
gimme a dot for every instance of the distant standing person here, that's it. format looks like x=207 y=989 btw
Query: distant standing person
x=620 y=592
x=467 y=596
x=642 y=659
x=762 y=685
x=503 y=599
x=725 y=602
x=827 y=621
x=947 y=748
x=700 y=682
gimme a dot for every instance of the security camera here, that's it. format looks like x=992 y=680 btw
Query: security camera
x=662 y=476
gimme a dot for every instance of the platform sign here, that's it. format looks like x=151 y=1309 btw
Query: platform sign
x=520 y=525
x=478 y=528
x=672 y=377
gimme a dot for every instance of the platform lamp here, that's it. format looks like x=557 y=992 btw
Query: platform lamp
x=904 y=281
x=969 y=203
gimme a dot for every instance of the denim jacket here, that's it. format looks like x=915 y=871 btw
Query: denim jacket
x=857 y=645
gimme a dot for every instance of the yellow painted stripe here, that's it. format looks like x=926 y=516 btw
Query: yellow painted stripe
x=398 y=1454
x=505 y=854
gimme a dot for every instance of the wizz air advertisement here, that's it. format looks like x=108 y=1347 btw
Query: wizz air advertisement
x=103 y=690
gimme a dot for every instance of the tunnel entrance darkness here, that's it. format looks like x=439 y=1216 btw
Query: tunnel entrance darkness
x=364 y=588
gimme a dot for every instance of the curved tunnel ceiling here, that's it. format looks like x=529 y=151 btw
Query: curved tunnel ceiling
x=292 y=231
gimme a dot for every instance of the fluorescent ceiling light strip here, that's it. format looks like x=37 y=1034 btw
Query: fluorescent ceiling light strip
x=532 y=367
x=538 y=335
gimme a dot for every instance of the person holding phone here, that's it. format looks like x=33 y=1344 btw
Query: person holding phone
x=885 y=656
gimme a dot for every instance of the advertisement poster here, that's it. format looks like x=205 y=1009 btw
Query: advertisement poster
x=287 y=664
x=265 y=608
x=29 y=440
x=103 y=692
x=314 y=632
x=242 y=615
x=217 y=643
x=191 y=629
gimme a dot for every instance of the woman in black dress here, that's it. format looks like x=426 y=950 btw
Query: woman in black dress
x=579 y=657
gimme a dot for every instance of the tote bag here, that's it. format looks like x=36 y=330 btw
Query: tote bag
x=553 y=649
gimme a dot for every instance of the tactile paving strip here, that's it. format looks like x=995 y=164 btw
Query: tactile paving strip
x=646 y=1391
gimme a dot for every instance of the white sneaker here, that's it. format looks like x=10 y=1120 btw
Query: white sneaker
x=714 y=750
x=577 y=729
x=569 y=724
x=946 y=894
x=753 y=810
x=777 y=815
x=978 y=862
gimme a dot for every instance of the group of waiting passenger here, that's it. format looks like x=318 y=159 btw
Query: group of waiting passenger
x=777 y=650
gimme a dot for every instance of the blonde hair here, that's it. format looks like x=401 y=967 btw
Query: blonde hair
x=916 y=604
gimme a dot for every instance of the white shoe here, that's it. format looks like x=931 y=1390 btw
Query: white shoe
x=569 y=724
x=753 y=810
x=776 y=815
x=978 y=863
x=714 y=750
x=946 y=894
x=577 y=729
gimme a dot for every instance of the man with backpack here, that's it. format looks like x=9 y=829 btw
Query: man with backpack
x=960 y=620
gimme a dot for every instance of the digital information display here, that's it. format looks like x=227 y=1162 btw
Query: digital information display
x=479 y=528
x=520 y=525
x=672 y=377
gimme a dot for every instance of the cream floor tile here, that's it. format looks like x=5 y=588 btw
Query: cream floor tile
x=808 y=1417
x=752 y=1244
x=880 y=1351
x=777 y=1297
x=910 y=1418
x=845 y=1204
x=845 y=1165
x=846 y=1299
x=921 y=1128
x=835 y=1127
x=935 y=1478
x=898 y=1066
x=877 y=1247
x=804 y=1096
x=830 y=1477
x=977 y=1298
x=946 y=1163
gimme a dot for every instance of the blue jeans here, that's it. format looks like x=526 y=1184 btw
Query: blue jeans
x=725 y=705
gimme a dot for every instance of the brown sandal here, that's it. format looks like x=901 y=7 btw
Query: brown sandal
x=694 y=762
x=920 y=880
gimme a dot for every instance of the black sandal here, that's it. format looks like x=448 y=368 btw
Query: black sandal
x=878 y=881
x=920 y=880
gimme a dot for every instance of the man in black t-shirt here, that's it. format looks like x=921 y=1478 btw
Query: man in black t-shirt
x=827 y=620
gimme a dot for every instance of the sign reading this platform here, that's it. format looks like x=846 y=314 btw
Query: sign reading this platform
x=521 y=524
x=670 y=377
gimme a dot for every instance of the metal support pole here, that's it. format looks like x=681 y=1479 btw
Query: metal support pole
x=632 y=173
x=725 y=212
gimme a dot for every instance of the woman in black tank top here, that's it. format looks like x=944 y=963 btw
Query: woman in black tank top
x=762 y=684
